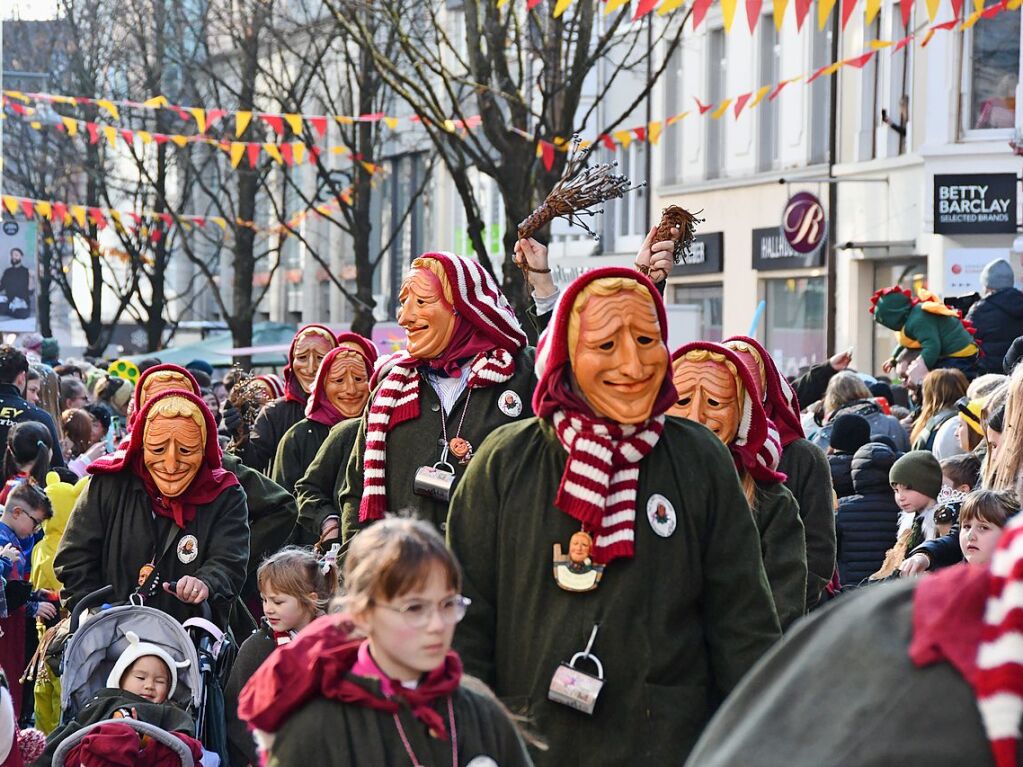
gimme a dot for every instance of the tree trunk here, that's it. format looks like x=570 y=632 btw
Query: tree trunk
x=43 y=303
x=362 y=229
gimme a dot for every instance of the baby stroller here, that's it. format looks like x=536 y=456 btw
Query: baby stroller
x=95 y=645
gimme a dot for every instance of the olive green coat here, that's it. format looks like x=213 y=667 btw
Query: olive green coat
x=680 y=622
x=318 y=491
x=296 y=450
x=784 y=550
x=272 y=511
x=418 y=442
x=809 y=480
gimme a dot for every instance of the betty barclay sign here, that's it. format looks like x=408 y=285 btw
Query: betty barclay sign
x=973 y=203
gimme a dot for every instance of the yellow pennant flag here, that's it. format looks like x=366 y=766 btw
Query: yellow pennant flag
x=623 y=137
x=561 y=6
x=932 y=9
x=613 y=5
x=237 y=151
x=653 y=132
x=109 y=107
x=728 y=13
x=449 y=126
x=667 y=6
x=716 y=114
x=391 y=122
x=824 y=9
x=70 y=125
x=973 y=19
x=298 y=152
x=17 y=95
x=146 y=136
x=179 y=140
x=1014 y=5
x=274 y=152
x=978 y=5
x=343 y=120
x=11 y=204
x=219 y=222
x=200 y=118
x=761 y=93
x=111 y=133
x=339 y=150
x=44 y=209
x=78 y=214
x=879 y=44
x=677 y=118
x=295 y=123
x=873 y=8
x=241 y=122
x=157 y=102
x=502 y=3
x=779 y=7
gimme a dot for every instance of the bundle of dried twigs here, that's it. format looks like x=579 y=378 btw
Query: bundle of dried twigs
x=575 y=194
x=671 y=217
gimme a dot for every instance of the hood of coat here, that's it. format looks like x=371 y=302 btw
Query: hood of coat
x=863 y=407
x=870 y=467
x=1008 y=301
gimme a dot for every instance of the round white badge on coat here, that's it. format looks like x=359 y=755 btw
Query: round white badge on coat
x=661 y=514
x=482 y=761
x=188 y=549
x=510 y=404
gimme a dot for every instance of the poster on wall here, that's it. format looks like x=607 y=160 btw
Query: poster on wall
x=963 y=266
x=975 y=203
x=18 y=283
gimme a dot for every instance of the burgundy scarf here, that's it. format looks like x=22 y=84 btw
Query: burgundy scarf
x=208 y=484
x=318 y=664
x=293 y=390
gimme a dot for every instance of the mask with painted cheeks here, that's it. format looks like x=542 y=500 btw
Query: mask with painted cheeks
x=615 y=349
x=173 y=445
x=310 y=349
x=347 y=384
x=709 y=392
x=426 y=315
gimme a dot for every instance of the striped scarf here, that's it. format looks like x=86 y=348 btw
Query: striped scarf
x=999 y=679
x=397 y=401
x=601 y=477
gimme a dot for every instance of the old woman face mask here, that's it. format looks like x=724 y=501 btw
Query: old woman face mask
x=428 y=319
x=172 y=450
x=164 y=380
x=347 y=385
x=708 y=392
x=310 y=349
x=619 y=361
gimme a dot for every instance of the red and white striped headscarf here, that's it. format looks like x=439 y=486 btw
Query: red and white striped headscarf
x=600 y=482
x=479 y=302
x=756 y=446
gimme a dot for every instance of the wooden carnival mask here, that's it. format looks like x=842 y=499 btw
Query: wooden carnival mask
x=161 y=381
x=310 y=349
x=426 y=315
x=173 y=445
x=618 y=358
x=347 y=385
x=709 y=392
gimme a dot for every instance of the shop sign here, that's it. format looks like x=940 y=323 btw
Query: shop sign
x=804 y=223
x=771 y=251
x=975 y=203
x=706 y=256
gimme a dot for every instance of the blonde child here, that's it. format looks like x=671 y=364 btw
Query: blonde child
x=381 y=684
x=295 y=587
x=983 y=515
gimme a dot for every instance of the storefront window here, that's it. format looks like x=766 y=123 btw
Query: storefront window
x=704 y=316
x=793 y=322
x=992 y=72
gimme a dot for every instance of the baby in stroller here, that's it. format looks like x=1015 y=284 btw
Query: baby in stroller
x=139 y=687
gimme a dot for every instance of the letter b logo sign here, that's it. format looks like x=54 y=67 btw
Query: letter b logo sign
x=803 y=223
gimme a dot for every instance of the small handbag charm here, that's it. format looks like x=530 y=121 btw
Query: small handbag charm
x=576 y=571
x=574 y=688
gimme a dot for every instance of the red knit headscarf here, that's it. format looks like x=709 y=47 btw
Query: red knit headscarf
x=293 y=390
x=319 y=408
x=780 y=401
x=755 y=447
x=601 y=477
x=206 y=486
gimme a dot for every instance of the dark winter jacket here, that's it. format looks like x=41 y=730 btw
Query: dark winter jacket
x=254 y=650
x=14 y=409
x=867 y=523
x=942 y=552
x=879 y=424
x=268 y=430
x=841 y=473
x=811 y=386
x=318 y=491
x=998 y=320
x=296 y=451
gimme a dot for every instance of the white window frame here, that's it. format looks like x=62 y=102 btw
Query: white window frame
x=966 y=133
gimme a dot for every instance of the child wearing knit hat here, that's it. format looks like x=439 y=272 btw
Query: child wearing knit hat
x=916 y=481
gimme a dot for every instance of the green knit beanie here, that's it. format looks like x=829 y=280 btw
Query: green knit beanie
x=918 y=470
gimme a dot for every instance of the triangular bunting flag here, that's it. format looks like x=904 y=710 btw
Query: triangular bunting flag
x=848 y=6
x=71 y=124
x=27 y=208
x=295 y=123
x=874 y=7
x=200 y=119
x=778 y=7
x=146 y=136
x=753 y=13
x=667 y=6
x=11 y=204
x=298 y=152
x=560 y=7
x=607 y=141
x=623 y=137
x=802 y=8
x=252 y=150
x=906 y=6
x=157 y=102
x=700 y=8
x=860 y=61
x=728 y=13
x=704 y=108
x=677 y=118
x=640 y=133
x=824 y=8
x=610 y=6
x=274 y=121
x=78 y=214
x=716 y=114
x=44 y=209
x=546 y=150
x=286 y=155
x=59 y=212
x=319 y=125
x=391 y=122
x=643 y=7
x=274 y=152
x=109 y=107
x=213 y=116
x=237 y=152
x=241 y=122
x=654 y=132
x=111 y=133
x=740 y=102
x=760 y=95
x=181 y=141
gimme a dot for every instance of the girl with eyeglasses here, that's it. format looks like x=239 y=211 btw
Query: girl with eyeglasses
x=380 y=683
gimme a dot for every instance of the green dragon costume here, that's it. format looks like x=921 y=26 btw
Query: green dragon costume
x=924 y=323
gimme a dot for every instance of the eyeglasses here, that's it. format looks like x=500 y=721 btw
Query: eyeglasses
x=417 y=615
x=37 y=524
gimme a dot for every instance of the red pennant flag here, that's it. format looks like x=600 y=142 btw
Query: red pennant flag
x=815 y=75
x=286 y=155
x=848 y=6
x=314 y=155
x=319 y=125
x=276 y=122
x=372 y=117
x=182 y=113
x=532 y=4
x=994 y=10
x=704 y=108
x=753 y=13
x=136 y=218
x=155 y=236
x=700 y=8
x=640 y=133
x=902 y=43
x=17 y=108
x=59 y=210
x=93 y=132
x=128 y=136
x=167 y=219
x=98 y=218
x=212 y=115
x=860 y=61
x=740 y=102
x=608 y=142
x=28 y=208
x=547 y=154
x=802 y=8
x=643 y=7
x=907 y=11
x=161 y=138
x=957 y=8
x=199 y=221
x=252 y=150
x=777 y=90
